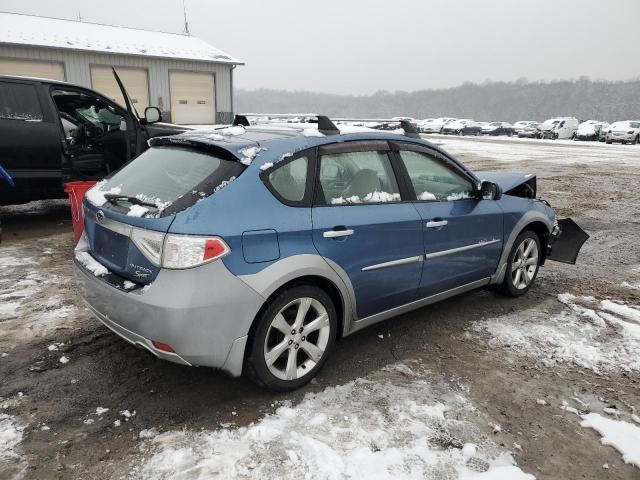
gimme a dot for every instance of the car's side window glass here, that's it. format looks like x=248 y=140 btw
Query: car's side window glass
x=433 y=180
x=19 y=102
x=289 y=180
x=356 y=178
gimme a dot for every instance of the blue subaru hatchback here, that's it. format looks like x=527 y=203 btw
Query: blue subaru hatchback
x=253 y=249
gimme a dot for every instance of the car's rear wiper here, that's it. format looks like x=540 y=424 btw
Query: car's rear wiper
x=112 y=197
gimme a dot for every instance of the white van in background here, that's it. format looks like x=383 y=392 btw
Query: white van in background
x=558 y=127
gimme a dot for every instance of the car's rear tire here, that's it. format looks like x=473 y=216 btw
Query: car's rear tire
x=523 y=265
x=292 y=339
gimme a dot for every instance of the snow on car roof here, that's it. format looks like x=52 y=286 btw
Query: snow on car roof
x=19 y=29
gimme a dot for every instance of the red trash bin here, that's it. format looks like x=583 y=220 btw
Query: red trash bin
x=76 y=191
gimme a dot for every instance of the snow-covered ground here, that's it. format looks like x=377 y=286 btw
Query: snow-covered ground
x=557 y=151
x=603 y=336
x=32 y=280
x=11 y=463
x=399 y=423
x=621 y=435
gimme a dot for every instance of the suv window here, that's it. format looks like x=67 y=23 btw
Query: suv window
x=289 y=180
x=433 y=180
x=357 y=177
x=19 y=101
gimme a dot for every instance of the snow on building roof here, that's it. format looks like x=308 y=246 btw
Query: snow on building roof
x=28 y=30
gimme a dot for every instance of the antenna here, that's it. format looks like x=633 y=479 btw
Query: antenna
x=186 y=23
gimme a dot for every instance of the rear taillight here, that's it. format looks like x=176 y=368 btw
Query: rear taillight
x=178 y=251
x=149 y=243
x=182 y=251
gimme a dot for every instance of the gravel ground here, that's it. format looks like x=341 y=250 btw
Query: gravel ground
x=502 y=367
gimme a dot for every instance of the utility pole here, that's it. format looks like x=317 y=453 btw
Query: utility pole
x=186 y=23
x=80 y=17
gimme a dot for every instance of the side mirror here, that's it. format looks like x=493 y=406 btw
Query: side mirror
x=152 y=115
x=490 y=191
x=123 y=126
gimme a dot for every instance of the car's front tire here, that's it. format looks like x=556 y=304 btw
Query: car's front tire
x=292 y=339
x=523 y=264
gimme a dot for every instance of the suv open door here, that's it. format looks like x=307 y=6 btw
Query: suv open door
x=133 y=129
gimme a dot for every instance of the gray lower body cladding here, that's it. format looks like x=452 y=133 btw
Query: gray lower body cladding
x=204 y=314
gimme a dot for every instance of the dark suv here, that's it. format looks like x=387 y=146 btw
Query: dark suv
x=54 y=132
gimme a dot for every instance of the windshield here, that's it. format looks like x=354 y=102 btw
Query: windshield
x=634 y=124
x=171 y=178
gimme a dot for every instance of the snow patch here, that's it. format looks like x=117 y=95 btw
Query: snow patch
x=97 y=196
x=249 y=154
x=10 y=436
x=385 y=426
x=374 y=197
x=266 y=166
x=427 y=196
x=623 y=436
x=582 y=334
x=231 y=131
x=91 y=264
x=312 y=132
x=137 y=211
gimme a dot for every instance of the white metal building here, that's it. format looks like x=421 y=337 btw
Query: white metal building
x=188 y=79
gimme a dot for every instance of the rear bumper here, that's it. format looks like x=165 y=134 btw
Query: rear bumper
x=203 y=313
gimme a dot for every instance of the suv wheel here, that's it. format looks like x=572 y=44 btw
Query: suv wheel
x=523 y=264
x=636 y=141
x=293 y=338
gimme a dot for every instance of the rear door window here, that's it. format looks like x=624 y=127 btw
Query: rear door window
x=19 y=101
x=357 y=177
x=170 y=179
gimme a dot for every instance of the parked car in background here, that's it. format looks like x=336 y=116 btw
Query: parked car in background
x=421 y=124
x=590 y=130
x=254 y=249
x=602 y=134
x=522 y=124
x=624 y=132
x=530 y=131
x=497 y=128
x=464 y=126
x=54 y=132
x=436 y=125
x=558 y=128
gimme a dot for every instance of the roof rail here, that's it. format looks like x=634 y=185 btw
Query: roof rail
x=325 y=124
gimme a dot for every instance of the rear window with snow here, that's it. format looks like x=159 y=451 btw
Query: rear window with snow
x=164 y=180
x=19 y=101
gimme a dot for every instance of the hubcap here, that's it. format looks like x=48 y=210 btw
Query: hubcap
x=297 y=338
x=525 y=264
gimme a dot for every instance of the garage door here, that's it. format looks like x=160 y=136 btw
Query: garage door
x=193 y=98
x=134 y=79
x=27 y=68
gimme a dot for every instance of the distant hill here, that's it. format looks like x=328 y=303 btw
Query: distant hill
x=505 y=101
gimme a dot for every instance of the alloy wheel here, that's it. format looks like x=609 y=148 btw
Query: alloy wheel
x=297 y=338
x=525 y=264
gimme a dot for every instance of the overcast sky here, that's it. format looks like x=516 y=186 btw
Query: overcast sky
x=361 y=46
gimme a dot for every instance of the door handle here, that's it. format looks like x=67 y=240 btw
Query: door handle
x=337 y=233
x=437 y=223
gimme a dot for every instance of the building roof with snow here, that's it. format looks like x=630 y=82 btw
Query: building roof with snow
x=29 y=30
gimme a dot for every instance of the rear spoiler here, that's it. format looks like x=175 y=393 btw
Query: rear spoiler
x=325 y=124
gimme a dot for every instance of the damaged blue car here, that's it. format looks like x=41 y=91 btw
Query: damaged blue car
x=253 y=249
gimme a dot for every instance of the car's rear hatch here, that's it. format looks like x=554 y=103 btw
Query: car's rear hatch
x=127 y=217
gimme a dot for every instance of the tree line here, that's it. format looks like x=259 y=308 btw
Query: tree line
x=504 y=101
